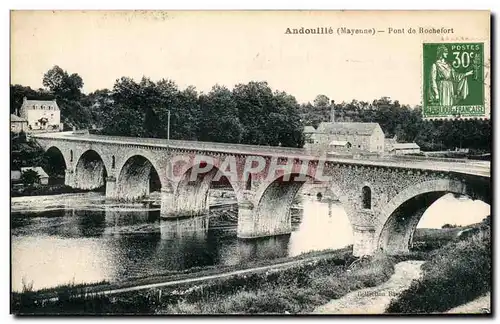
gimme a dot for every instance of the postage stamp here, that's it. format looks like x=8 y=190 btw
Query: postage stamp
x=453 y=80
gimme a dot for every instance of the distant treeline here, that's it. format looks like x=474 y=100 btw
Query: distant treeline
x=250 y=113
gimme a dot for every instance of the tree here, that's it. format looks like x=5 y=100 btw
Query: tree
x=18 y=92
x=61 y=84
x=220 y=117
x=30 y=177
x=321 y=102
x=267 y=118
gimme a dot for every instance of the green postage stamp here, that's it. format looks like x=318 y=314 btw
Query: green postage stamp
x=453 y=80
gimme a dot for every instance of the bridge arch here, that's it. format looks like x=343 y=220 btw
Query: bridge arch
x=90 y=170
x=400 y=217
x=274 y=199
x=135 y=178
x=191 y=196
x=56 y=163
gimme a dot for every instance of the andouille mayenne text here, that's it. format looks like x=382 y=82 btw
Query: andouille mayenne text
x=307 y=31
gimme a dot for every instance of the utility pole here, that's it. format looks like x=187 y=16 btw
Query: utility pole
x=168 y=126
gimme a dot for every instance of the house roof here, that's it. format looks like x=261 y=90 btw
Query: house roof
x=38 y=170
x=15 y=118
x=29 y=104
x=347 y=128
x=309 y=129
x=404 y=146
x=338 y=143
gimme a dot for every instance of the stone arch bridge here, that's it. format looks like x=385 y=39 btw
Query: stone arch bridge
x=384 y=198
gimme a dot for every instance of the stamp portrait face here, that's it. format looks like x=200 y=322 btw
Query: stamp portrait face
x=453 y=80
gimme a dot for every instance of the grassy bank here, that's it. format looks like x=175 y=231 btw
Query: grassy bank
x=296 y=288
x=44 y=190
x=453 y=275
x=173 y=275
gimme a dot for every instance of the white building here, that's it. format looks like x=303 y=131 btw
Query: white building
x=341 y=146
x=41 y=115
x=44 y=177
x=356 y=137
x=18 y=124
x=404 y=148
x=310 y=134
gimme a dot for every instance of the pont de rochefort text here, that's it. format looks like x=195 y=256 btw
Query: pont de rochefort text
x=367 y=31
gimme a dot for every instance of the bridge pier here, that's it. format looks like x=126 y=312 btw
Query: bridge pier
x=167 y=209
x=364 y=240
x=246 y=221
x=110 y=187
x=251 y=224
x=69 y=178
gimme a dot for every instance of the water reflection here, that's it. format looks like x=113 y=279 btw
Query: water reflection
x=324 y=225
x=263 y=248
x=121 y=242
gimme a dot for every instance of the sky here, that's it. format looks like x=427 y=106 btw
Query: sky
x=207 y=48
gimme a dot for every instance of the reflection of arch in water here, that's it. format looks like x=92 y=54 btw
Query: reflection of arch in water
x=80 y=223
x=184 y=243
x=263 y=248
x=324 y=225
x=184 y=228
x=120 y=220
x=92 y=222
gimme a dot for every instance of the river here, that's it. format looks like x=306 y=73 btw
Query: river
x=83 y=238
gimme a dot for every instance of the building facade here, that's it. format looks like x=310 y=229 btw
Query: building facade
x=405 y=148
x=350 y=137
x=18 y=124
x=310 y=135
x=42 y=115
x=44 y=177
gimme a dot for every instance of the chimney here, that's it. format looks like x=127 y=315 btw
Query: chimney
x=332 y=111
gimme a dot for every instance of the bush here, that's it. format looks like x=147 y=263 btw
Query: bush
x=454 y=275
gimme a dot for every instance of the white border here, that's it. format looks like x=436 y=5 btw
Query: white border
x=6 y=5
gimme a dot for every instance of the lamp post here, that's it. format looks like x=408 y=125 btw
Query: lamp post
x=168 y=125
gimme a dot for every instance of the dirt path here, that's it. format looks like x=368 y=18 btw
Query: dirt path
x=479 y=305
x=376 y=299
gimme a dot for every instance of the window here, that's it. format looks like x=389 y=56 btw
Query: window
x=113 y=162
x=367 y=197
x=71 y=155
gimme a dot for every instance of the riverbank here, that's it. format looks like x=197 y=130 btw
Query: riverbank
x=47 y=190
x=67 y=300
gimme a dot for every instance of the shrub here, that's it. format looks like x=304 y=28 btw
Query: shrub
x=455 y=274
